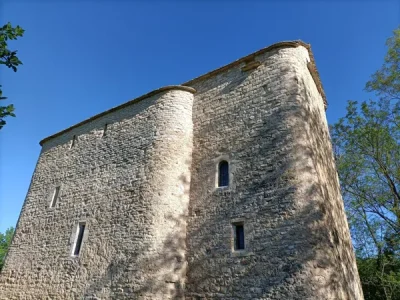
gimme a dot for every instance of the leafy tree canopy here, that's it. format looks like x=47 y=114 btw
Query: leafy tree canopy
x=9 y=59
x=367 y=149
x=5 y=241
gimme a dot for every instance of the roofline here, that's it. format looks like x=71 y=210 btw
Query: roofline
x=185 y=86
x=140 y=98
x=285 y=44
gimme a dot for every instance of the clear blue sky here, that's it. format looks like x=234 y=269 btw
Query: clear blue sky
x=83 y=57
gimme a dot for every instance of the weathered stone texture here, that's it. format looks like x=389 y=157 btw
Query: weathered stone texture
x=271 y=125
x=133 y=187
x=130 y=186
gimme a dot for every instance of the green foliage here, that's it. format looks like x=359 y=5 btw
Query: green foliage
x=367 y=151
x=384 y=284
x=5 y=241
x=368 y=161
x=9 y=59
x=386 y=81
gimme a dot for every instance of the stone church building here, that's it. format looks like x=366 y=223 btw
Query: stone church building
x=223 y=187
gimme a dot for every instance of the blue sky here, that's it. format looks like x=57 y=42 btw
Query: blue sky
x=83 y=57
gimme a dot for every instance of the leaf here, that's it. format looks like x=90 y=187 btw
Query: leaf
x=367 y=151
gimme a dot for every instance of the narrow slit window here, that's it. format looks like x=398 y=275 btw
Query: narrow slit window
x=73 y=141
x=105 y=130
x=239 y=236
x=54 y=198
x=79 y=239
x=223 y=173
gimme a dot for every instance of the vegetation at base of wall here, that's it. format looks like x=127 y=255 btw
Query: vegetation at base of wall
x=9 y=59
x=5 y=240
x=367 y=152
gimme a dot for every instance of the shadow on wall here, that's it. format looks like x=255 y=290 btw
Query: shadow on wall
x=147 y=275
x=300 y=247
x=299 y=240
x=154 y=284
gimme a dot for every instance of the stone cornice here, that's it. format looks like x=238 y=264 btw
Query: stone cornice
x=186 y=86
x=285 y=44
x=148 y=95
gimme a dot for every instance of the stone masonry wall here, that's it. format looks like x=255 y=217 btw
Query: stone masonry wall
x=157 y=225
x=270 y=125
x=130 y=187
x=336 y=264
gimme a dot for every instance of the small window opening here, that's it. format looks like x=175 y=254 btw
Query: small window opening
x=223 y=173
x=105 y=129
x=73 y=141
x=78 y=239
x=239 y=236
x=55 y=196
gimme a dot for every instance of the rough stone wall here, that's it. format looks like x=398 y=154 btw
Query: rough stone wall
x=336 y=264
x=270 y=124
x=130 y=187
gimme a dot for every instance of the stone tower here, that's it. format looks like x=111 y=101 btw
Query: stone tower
x=221 y=188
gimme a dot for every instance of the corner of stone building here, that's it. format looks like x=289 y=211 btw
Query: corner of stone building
x=334 y=265
x=150 y=145
x=270 y=117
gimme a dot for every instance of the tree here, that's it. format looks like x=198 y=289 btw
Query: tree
x=5 y=241
x=367 y=152
x=9 y=59
x=386 y=81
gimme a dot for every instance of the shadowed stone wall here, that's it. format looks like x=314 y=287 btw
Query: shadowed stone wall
x=270 y=123
x=265 y=115
x=130 y=187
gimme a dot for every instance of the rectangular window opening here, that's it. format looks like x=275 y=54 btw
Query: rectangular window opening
x=55 y=196
x=73 y=141
x=105 y=130
x=238 y=229
x=223 y=174
x=79 y=239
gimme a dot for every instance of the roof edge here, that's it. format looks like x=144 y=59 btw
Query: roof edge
x=186 y=86
x=284 y=44
x=140 y=98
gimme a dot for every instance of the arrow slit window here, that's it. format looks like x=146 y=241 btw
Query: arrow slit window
x=223 y=174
